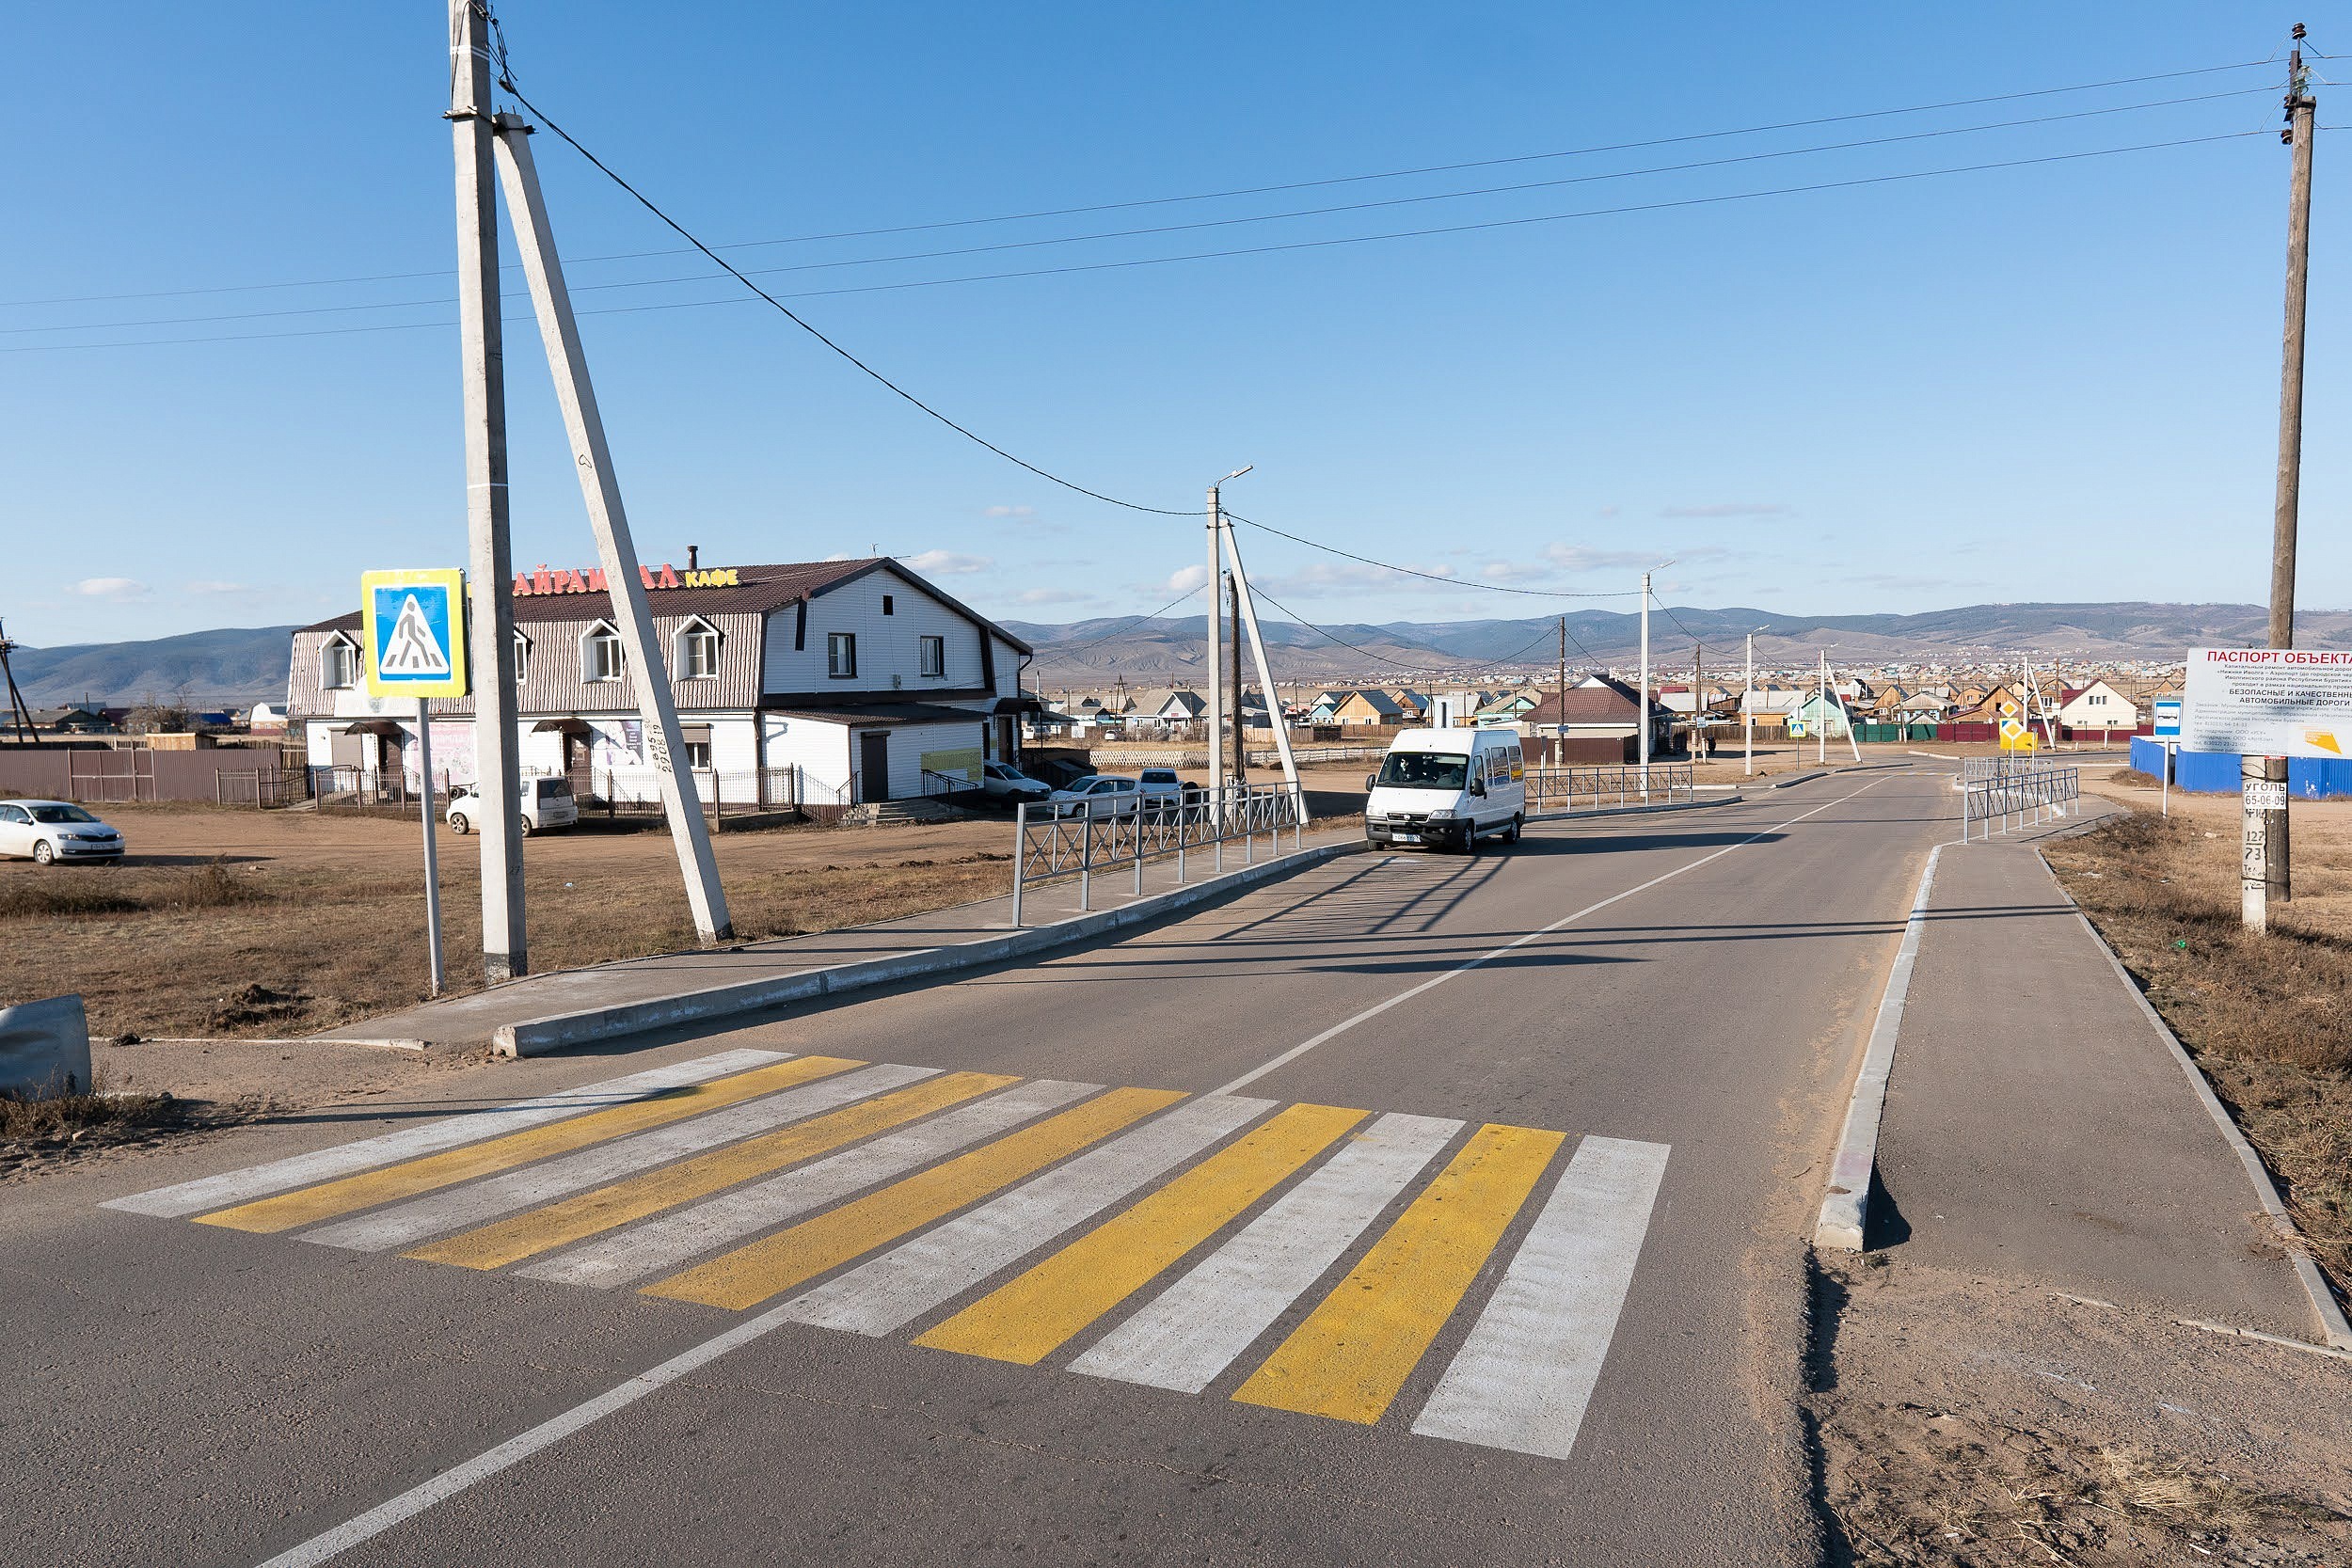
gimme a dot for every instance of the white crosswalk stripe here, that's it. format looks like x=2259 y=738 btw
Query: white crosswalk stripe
x=302 y=1170
x=1195 y=1328
x=662 y=1244
x=911 y=1280
x=1523 y=1377
x=461 y=1208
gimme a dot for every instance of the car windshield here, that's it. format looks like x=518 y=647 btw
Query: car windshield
x=1159 y=775
x=1423 y=770
x=60 y=814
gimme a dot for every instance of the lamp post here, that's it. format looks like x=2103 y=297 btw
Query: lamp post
x=1216 y=647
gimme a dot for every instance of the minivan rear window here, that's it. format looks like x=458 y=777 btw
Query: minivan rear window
x=554 y=789
x=1424 y=771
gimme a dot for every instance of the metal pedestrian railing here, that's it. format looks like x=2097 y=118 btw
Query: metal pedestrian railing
x=2014 y=798
x=1053 y=840
x=1558 y=788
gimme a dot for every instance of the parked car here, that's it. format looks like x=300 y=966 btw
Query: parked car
x=546 y=803
x=1097 y=795
x=1448 y=788
x=1008 y=782
x=1058 y=773
x=1162 y=784
x=52 y=830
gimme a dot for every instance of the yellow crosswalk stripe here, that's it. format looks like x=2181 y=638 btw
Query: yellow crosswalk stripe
x=749 y=1274
x=309 y=1204
x=1027 y=1317
x=586 y=1213
x=1355 y=1349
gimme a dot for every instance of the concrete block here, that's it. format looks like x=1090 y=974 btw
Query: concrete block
x=44 y=1048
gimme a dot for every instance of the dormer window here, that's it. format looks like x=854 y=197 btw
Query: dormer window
x=600 y=654
x=339 y=664
x=694 y=651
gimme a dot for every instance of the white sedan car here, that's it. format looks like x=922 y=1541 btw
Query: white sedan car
x=52 y=830
x=1096 y=795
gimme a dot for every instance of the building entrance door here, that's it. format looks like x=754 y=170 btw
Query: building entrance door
x=873 y=765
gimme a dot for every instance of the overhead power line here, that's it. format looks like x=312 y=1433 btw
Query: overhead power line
x=1166 y=228
x=1433 y=576
x=1209 y=254
x=1330 y=635
x=1230 y=194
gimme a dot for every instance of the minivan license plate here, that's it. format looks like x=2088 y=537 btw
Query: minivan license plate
x=1405 y=838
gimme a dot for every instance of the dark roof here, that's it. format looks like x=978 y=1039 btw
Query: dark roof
x=757 y=589
x=1611 y=702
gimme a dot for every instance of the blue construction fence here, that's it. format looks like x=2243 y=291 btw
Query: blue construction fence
x=2216 y=772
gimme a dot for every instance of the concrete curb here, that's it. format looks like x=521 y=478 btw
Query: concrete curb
x=536 y=1037
x=2331 y=1315
x=1622 y=811
x=1845 y=1208
x=1798 y=779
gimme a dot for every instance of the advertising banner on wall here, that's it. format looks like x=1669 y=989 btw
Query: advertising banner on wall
x=2268 y=701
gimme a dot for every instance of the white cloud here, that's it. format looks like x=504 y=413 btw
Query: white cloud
x=112 y=587
x=1584 y=558
x=948 y=564
x=1009 y=512
x=1186 y=579
x=1055 y=596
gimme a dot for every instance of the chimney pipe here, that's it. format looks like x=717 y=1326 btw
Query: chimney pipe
x=692 y=551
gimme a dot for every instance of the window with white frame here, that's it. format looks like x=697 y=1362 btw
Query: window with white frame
x=522 y=658
x=934 y=650
x=841 y=655
x=339 y=664
x=600 y=655
x=697 y=653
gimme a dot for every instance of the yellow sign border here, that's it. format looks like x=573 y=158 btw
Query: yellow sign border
x=451 y=577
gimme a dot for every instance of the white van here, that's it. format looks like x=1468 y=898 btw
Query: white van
x=1448 y=788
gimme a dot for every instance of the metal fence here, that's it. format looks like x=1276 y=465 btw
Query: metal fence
x=1558 y=788
x=1053 y=841
x=2019 y=798
x=264 y=789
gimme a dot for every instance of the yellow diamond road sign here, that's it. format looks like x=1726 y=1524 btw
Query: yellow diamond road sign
x=414 y=631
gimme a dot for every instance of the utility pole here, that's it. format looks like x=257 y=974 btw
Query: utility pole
x=1821 y=712
x=1233 y=646
x=1747 y=714
x=1698 y=685
x=2262 y=784
x=1641 y=713
x=1216 y=657
x=489 y=556
x=1560 y=726
x=20 y=717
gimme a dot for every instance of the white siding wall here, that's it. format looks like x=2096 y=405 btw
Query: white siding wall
x=909 y=742
x=819 y=749
x=887 y=645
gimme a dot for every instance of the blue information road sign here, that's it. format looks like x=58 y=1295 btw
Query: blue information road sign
x=2167 y=724
x=415 y=623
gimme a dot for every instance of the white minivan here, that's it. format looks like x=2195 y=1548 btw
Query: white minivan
x=1448 y=788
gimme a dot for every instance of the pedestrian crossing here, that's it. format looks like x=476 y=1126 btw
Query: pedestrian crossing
x=1298 y=1257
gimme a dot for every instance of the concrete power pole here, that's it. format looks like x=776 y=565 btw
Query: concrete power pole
x=1698 y=683
x=648 y=672
x=1560 y=729
x=1232 y=654
x=1265 y=672
x=1640 y=707
x=1747 y=714
x=489 y=555
x=2264 y=782
x=1821 y=712
x=1216 y=657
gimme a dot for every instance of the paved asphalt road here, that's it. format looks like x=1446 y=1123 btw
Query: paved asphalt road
x=1541 y=1301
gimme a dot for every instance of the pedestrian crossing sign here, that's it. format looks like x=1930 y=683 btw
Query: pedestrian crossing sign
x=414 y=625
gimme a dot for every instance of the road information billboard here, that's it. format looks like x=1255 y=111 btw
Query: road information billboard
x=2268 y=701
x=415 y=632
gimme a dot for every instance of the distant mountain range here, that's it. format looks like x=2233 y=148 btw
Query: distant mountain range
x=246 y=665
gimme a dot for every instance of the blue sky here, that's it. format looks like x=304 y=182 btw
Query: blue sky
x=2052 y=382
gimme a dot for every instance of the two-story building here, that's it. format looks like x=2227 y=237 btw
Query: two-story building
x=811 y=682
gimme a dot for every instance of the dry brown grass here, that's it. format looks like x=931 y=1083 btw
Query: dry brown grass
x=71 y=1115
x=281 y=947
x=2269 y=1019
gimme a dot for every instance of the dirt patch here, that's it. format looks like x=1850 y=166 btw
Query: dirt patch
x=1961 y=1420
x=2270 y=1018
x=39 y=1135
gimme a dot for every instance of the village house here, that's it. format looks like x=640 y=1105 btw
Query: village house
x=825 y=683
x=2096 y=706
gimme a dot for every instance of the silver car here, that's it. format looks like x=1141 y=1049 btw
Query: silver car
x=1096 y=795
x=48 y=832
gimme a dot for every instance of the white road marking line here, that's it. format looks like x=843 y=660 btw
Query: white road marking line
x=1194 y=1329
x=1523 y=1377
x=449 y=1482
x=902 y=1284
x=1514 y=944
x=463 y=1208
x=661 y=1244
x=301 y=1170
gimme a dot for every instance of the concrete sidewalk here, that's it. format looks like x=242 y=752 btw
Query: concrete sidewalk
x=476 y=1017
x=2038 y=1127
